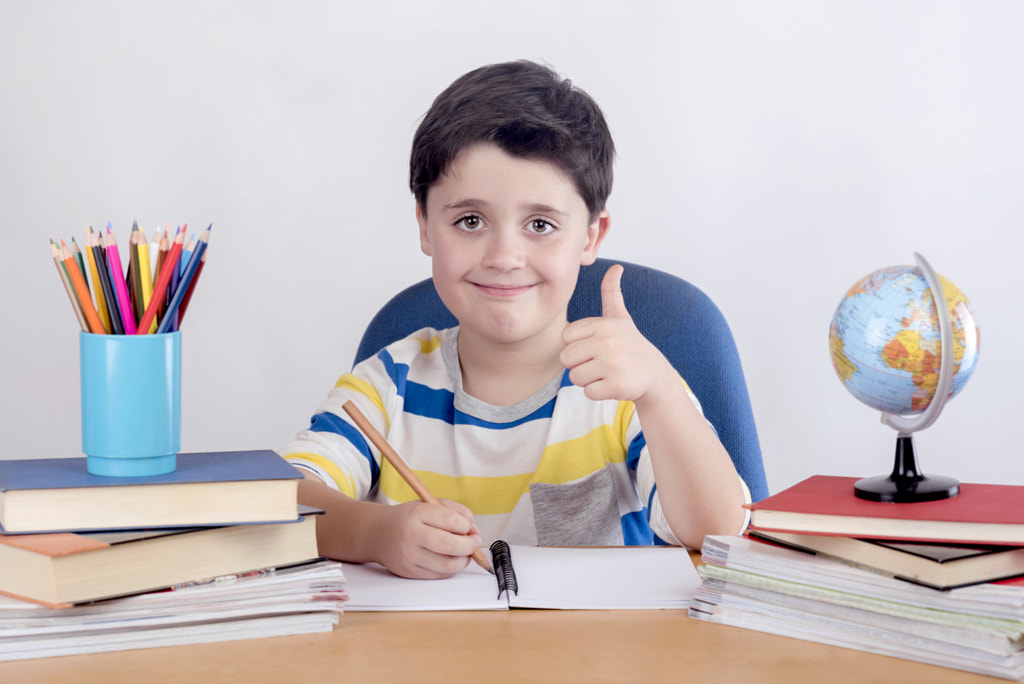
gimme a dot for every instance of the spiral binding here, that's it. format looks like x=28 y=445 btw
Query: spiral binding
x=501 y=558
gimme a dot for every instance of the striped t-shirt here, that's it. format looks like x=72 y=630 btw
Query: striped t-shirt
x=555 y=469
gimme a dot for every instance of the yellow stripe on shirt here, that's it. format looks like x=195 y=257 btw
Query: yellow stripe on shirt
x=482 y=495
x=341 y=480
x=575 y=458
x=427 y=346
x=355 y=384
x=561 y=462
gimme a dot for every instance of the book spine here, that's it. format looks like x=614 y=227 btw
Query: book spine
x=504 y=573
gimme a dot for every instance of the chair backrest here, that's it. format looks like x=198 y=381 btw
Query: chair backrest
x=674 y=315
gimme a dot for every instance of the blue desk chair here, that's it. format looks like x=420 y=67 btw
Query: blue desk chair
x=673 y=314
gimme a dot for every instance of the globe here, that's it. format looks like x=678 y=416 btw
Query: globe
x=886 y=342
x=898 y=350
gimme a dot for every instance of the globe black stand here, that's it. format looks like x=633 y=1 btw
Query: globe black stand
x=906 y=484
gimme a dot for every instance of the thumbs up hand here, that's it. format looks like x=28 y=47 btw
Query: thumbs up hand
x=607 y=356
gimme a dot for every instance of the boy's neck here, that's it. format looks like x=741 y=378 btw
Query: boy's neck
x=502 y=374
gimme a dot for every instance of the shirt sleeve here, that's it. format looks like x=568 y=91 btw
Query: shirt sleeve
x=332 y=448
x=648 y=488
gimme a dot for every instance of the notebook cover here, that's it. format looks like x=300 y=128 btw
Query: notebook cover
x=832 y=495
x=66 y=543
x=214 y=466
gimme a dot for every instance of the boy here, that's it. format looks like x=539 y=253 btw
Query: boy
x=528 y=428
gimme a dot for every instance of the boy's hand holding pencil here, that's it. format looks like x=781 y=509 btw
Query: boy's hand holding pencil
x=392 y=457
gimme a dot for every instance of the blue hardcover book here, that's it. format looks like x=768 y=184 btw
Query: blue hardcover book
x=212 y=488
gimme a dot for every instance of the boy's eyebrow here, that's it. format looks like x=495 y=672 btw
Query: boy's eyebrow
x=471 y=203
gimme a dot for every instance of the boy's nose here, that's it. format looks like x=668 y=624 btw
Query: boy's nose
x=504 y=250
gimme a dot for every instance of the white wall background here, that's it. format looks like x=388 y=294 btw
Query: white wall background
x=770 y=152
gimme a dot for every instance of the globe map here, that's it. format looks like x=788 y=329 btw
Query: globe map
x=886 y=342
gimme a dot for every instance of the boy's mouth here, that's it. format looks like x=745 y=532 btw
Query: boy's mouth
x=502 y=290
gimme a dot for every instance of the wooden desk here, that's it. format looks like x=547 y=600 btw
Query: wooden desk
x=520 y=645
x=513 y=646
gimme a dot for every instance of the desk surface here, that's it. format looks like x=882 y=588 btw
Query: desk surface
x=517 y=645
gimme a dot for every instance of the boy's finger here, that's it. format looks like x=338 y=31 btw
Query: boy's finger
x=462 y=510
x=612 y=304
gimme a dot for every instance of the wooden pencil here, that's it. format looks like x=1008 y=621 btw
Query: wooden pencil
x=63 y=273
x=99 y=249
x=161 y=249
x=186 y=252
x=78 y=256
x=97 y=285
x=192 y=287
x=171 y=320
x=118 y=281
x=160 y=291
x=146 y=275
x=404 y=470
x=92 y=319
x=134 y=278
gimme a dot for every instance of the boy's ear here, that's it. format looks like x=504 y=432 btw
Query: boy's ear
x=421 y=219
x=596 y=233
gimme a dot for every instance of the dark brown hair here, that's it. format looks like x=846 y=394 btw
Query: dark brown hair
x=528 y=111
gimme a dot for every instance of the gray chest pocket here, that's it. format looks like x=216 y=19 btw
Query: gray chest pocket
x=583 y=512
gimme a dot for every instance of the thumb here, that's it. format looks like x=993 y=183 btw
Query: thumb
x=612 y=304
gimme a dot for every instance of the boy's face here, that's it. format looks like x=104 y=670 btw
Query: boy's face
x=507 y=237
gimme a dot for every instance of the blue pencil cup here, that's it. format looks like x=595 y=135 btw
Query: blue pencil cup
x=131 y=403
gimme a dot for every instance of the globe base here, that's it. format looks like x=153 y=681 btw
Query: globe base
x=906 y=484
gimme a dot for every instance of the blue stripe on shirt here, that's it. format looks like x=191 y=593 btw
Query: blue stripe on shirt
x=636 y=531
x=656 y=540
x=439 y=404
x=328 y=422
x=543 y=413
x=428 y=402
x=633 y=452
x=398 y=372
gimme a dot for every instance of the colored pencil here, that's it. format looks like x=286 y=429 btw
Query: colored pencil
x=165 y=249
x=160 y=253
x=105 y=298
x=134 y=278
x=78 y=256
x=97 y=286
x=192 y=287
x=186 y=253
x=145 y=274
x=63 y=273
x=399 y=465
x=99 y=249
x=120 y=286
x=92 y=319
x=172 y=286
x=170 y=320
x=160 y=291
x=154 y=254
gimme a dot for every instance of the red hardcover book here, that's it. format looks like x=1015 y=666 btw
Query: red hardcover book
x=827 y=505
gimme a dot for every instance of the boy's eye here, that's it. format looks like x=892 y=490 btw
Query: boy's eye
x=540 y=227
x=469 y=222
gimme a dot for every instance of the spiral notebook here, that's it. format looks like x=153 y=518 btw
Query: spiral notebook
x=624 y=577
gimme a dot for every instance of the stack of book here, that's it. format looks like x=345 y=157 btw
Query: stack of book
x=217 y=550
x=939 y=582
